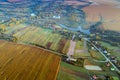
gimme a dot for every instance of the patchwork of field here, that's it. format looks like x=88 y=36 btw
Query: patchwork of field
x=48 y=39
x=40 y=37
x=22 y=62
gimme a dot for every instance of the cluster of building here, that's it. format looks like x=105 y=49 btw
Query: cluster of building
x=107 y=54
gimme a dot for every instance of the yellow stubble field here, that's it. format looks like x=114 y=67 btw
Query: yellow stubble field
x=22 y=62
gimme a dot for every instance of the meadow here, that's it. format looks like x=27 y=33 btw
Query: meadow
x=70 y=72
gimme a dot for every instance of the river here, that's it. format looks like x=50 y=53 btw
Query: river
x=79 y=28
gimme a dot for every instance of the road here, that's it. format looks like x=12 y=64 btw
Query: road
x=104 y=56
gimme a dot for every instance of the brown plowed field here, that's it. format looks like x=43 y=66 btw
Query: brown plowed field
x=108 y=9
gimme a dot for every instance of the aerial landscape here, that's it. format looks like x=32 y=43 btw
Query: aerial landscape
x=59 y=39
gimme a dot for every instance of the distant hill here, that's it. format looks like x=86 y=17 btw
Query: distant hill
x=14 y=0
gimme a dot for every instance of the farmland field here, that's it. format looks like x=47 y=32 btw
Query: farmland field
x=80 y=50
x=22 y=62
x=70 y=72
x=96 y=55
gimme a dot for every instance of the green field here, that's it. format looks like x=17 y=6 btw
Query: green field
x=80 y=50
x=96 y=55
x=70 y=72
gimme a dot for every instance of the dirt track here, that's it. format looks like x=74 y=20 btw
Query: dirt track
x=71 y=48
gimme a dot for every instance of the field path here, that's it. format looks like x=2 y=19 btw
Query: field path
x=71 y=48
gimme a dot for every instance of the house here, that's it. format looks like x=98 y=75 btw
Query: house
x=71 y=59
x=56 y=17
x=32 y=15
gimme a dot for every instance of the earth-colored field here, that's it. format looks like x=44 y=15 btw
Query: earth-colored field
x=74 y=3
x=22 y=62
x=14 y=0
x=108 y=9
x=71 y=48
